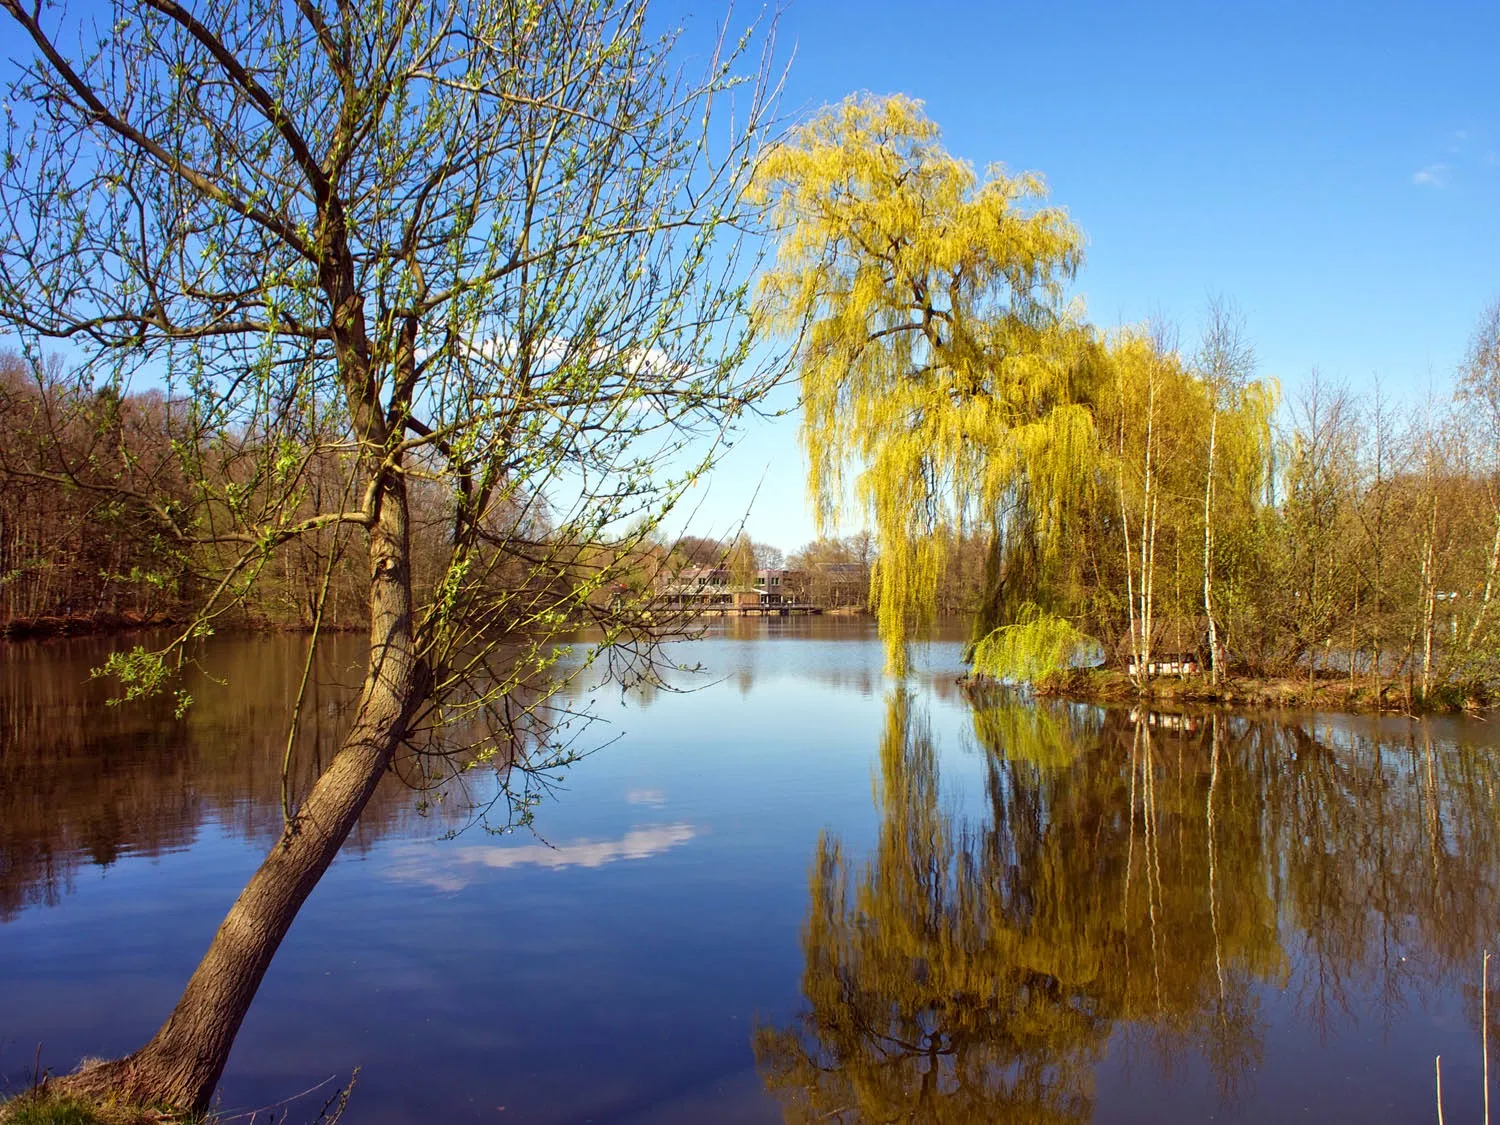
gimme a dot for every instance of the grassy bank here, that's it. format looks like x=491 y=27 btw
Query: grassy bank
x=79 y=1099
x=42 y=1107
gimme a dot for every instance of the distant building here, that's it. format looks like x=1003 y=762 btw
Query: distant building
x=1176 y=664
x=715 y=586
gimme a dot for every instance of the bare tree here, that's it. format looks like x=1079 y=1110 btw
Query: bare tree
x=1320 y=482
x=484 y=246
x=1479 y=387
x=1226 y=360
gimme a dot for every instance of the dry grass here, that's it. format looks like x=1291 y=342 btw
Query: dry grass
x=42 y=1107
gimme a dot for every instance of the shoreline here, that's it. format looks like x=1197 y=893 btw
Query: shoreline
x=58 y=627
x=1323 y=694
x=80 y=625
x=122 y=624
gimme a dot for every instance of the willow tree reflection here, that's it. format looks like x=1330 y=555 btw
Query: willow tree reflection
x=1134 y=879
x=1387 y=856
x=925 y=1002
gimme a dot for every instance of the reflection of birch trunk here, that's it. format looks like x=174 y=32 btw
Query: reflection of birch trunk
x=1142 y=759
x=1213 y=863
x=1434 y=829
x=1153 y=855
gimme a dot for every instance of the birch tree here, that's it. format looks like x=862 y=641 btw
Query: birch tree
x=1479 y=389
x=1226 y=360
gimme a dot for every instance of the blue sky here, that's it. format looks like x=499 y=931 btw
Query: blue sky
x=1331 y=168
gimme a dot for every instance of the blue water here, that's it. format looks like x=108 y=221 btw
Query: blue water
x=613 y=963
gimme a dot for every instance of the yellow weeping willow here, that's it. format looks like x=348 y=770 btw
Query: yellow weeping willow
x=1036 y=646
x=937 y=362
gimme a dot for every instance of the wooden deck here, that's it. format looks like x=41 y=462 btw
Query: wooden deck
x=785 y=609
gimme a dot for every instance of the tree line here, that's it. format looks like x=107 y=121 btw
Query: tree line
x=1136 y=495
x=87 y=475
x=123 y=507
x=1348 y=535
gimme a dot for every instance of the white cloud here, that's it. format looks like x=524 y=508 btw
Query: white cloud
x=426 y=865
x=1434 y=176
x=653 y=797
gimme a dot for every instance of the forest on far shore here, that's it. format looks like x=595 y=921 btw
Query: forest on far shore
x=1365 y=526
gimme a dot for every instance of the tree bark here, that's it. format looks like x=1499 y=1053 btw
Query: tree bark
x=1429 y=597
x=1489 y=586
x=1215 y=662
x=1011 y=570
x=181 y=1065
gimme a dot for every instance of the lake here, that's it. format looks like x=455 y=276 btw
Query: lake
x=801 y=892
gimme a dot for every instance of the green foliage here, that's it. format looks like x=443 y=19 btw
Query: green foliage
x=42 y=1107
x=143 y=673
x=936 y=362
x=140 y=672
x=1037 y=646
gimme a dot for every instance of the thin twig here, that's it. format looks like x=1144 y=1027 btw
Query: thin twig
x=251 y=1113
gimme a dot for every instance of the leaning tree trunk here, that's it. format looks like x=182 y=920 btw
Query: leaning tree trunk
x=1012 y=572
x=181 y=1065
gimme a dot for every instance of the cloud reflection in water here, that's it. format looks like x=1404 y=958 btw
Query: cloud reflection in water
x=424 y=864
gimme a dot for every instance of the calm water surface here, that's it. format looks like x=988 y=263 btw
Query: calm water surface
x=802 y=893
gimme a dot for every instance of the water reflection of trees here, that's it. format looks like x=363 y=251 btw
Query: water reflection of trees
x=84 y=783
x=1129 y=880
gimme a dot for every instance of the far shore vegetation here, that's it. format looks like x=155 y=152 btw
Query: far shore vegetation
x=1144 y=500
x=1389 y=519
